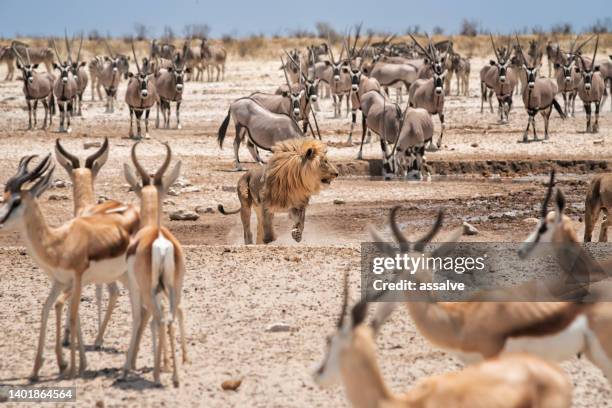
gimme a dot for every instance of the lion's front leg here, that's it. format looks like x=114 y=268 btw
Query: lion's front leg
x=297 y=215
x=265 y=227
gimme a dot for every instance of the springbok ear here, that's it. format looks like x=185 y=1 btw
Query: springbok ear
x=131 y=178
x=560 y=202
x=171 y=177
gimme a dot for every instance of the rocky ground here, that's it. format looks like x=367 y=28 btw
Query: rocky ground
x=234 y=293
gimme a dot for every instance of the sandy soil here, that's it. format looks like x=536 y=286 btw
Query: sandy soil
x=232 y=292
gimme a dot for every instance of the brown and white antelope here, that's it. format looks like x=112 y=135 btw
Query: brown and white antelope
x=214 y=57
x=79 y=72
x=169 y=82
x=86 y=249
x=38 y=55
x=591 y=89
x=500 y=78
x=36 y=87
x=461 y=67
x=8 y=57
x=479 y=329
x=538 y=96
x=156 y=267
x=140 y=96
x=65 y=89
x=598 y=199
x=510 y=381
x=567 y=81
x=339 y=82
x=409 y=150
x=83 y=176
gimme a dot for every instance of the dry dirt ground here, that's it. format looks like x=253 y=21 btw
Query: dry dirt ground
x=233 y=292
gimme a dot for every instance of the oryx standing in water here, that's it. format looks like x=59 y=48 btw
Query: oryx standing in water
x=64 y=89
x=141 y=95
x=169 y=85
x=36 y=86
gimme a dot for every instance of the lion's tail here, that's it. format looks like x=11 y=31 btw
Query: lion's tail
x=224 y=212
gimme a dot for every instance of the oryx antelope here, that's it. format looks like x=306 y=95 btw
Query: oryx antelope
x=598 y=199
x=36 y=86
x=79 y=72
x=390 y=75
x=140 y=96
x=106 y=71
x=264 y=128
x=65 y=88
x=567 y=81
x=416 y=131
x=360 y=85
x=338 y=80
x=162 y=50
x=87 y=249
x=169 y=84
x=500 y=78
x=214 y=57
x=591 y=89
x=429 y=93
x=538 y=96
x=510 y=381
x=156 y=267
x=7 y=56
x=38 y=55
x=461 y=67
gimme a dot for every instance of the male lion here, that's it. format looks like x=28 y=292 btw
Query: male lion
x=295 y=172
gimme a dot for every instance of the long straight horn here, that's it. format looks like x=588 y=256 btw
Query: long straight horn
x=109 y=49
x=72 y=158
x=494 y=47
x=28 y=56
x=17 y=54
x=595 y=53
x=344 y=299
x=79 y=52
x=146 y=179
x=68 y=50
x=357 y=33
x=518 y=43
x=577 y=50
x=551 y=184
x=285 y=73
x=91 y=159
x=331 y=52
x=135 y=58
x=157 y=179
x=419 y=45
x=59 y=59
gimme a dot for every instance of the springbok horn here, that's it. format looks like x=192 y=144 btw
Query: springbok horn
x=91 y=159
x=146 y=179
x=157 y=179
x=73 y=159
x=551 y=184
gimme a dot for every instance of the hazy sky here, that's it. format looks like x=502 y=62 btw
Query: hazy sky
x=49 y=17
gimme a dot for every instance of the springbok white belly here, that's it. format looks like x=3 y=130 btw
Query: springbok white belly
x=558 y=346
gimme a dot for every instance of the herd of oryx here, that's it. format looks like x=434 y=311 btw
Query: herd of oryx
x=511 y=346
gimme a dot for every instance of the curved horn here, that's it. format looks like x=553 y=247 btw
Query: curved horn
x=419 y=245
x=397 y=233
x=135 y=58
x=72 y=158
x=24 y=175
x=344 y=299
x=13 y=183
x=146 y=179
x=157 y=179
x=89 y=162
x=551 y=184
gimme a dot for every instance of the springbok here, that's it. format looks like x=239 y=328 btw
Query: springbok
x=83 y=179
x=214 y=57
x=87 y=249
x=140 y=96
x=169 y=85
x=105 y=71
x=483 y=329
x=38 y=55
x=36 y=86
x=538 y=96
x=263 y=128
x=429 y=93
x=64 y=89
x=499 y=78
x=591 y=89
x=509 y=381
x=156 y=267
x=598 y=199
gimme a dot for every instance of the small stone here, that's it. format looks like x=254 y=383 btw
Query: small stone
x=103 y=199
x=598 y=142
x=231 y=385
x=60 y=183
x=169 y=202
x=91 y=145
x=173 y=192
x=228 y=189
x=531 y=220
x=474 y=145
x=191 y=189
x=469 y=229
x=200 y=209
x=58 y=197
x=339 y=201
x=184 y=215
x=99 y=404
x=278 y=328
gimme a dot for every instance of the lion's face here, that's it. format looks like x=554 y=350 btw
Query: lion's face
x=327 y=171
